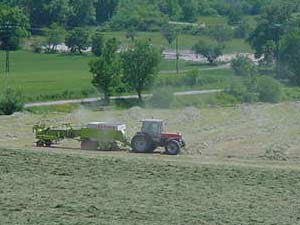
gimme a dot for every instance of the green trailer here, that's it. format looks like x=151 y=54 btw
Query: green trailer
x=95 y=136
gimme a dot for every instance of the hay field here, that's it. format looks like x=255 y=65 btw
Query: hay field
x=241 y=166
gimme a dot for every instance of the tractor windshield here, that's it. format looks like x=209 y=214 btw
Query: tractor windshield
x=152 y=128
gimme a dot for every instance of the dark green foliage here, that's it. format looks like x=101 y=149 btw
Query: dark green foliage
x=131 y=33
x=290 y=54
x=269 y=89
x=264 y=89
x=211 y=50
x=97 y=43
x=272 y=25
x=138 y=13
x=78 y=40
x=14 y=26
x=189 y=10
x=242 y=30
x=10 y=101
x=243 y=66
x=162 y=98
x=140 y=66
x=82 y=12
x=221 y=33
x=105 y=10
x=235 y=14
x=242 y=92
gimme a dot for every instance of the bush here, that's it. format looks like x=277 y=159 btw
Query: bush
x=162 y=98
x=269 y=89
x=10 y=102
x=242 y=92
x=243 y=66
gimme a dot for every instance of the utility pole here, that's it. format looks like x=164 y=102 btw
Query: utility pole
x=7 y=68
x=177 y=55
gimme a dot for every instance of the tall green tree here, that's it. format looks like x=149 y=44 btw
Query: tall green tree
x=272 y=25
x=189 y=10
x=169 y=33
x=97 y=43
x=82 y=13
x=290 y=55
x=55 y=35
x=211 y=50
x=105 y=9
x=14 y=26
x=140 y=66
x=106 y=70
x=78 y=40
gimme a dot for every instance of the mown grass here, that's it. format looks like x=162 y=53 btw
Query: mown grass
x=48 y=188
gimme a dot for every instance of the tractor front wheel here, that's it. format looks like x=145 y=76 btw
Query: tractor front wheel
x=142 y=144
x=173 y=147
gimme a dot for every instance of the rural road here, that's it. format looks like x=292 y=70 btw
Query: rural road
x=90 y=100
x=224 y=66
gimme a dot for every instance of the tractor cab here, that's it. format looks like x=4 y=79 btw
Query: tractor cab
x=153 y=127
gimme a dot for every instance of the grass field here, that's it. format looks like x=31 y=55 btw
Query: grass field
x=45 y=77
x=241 y=166
x=63 y=188
x=184 y=41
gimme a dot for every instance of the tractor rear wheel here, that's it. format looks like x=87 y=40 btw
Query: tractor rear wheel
x=142 y=144
x=173 y=147
x=89 y=145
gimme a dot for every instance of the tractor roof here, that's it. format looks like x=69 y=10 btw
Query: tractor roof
x=152 y=120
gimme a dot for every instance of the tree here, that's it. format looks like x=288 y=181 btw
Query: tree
x=243 y=66
x=273 y=24
x=235 y=15
x=131 y=33
x=82 y=13
x=211 y=50
x=189 y=10
x=290 y=53
x=97 y=43
x=140 y=66
x=221 y=33
x=169 y=33
x=242 y=30
x=78 y=40
x=105 y=10
x=55 y=35
x=14 y=27
x=106 y=70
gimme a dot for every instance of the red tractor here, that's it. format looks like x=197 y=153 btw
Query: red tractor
x=152 y=136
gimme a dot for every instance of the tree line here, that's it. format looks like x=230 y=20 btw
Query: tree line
x=142 y=14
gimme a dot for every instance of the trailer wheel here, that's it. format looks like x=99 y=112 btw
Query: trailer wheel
x=89 y=145
x=142 y=144
x=173 y=147
x=40 y=143
x=48 y=143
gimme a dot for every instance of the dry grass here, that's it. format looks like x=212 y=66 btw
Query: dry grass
x=244 y=132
